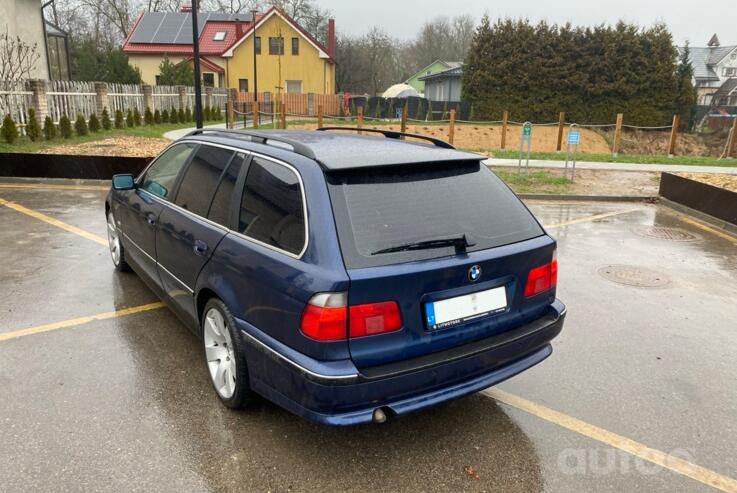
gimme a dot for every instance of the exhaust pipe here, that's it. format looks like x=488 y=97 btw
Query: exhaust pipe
x=379 y=416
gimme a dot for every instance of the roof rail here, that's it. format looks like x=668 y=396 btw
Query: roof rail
x=392 y=134
x=259 y=137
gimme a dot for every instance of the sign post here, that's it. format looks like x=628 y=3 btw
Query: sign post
x=574 y=136
x=526 y=138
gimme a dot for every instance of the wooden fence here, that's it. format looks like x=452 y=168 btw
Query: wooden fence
x=15 y=100
x=298 y=104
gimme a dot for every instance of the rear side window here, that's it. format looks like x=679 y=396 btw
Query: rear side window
x=272 y=210
x=220 y=207
x=162 y=175
x=388 y=207
x=201 y=177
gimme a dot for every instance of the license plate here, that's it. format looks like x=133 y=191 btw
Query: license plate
x=455 y=311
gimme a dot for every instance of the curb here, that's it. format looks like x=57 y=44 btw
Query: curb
x=590 y=198
x=713 y=221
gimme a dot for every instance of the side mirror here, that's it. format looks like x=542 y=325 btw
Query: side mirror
x=123 y=182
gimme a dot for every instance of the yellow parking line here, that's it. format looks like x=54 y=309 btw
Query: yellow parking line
x=714 y=231
x=670 y=462
x=591 y=218
x=79 y=321
x=54 y=222
x=51 y=186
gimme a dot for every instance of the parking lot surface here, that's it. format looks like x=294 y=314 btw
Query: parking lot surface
x=103 y=389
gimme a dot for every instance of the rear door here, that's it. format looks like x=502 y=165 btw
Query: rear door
x=448 y=295
x=191 y=228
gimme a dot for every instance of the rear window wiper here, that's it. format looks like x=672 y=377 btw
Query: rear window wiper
x=460 y=242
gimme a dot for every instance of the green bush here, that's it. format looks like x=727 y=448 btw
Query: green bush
x=157 y=117
x=49 y=129
x=129 y=119
x=106 y=119
x=119 y=119
x=218 y=114
x=188 y=115
x=94 y=123
x=173 y=117
x=33 y=131
x=180 y=116
x=206 y=116
x=165 y=116
x=80 y=125
x=9 y=130
x=65 y=127
x=148 y=117
x=136 y=117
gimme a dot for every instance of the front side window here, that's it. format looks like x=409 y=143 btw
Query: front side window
x=220 y=207
x=295 y=46
x=201 y=178
x=272 y=209
x=257 y=48
x=208 y=79
x=162 y=175
x=276 y=46
x=243 y=85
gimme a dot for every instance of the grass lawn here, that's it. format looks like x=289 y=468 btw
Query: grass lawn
x=535 y=182
x=23 y=144
x=622 y=158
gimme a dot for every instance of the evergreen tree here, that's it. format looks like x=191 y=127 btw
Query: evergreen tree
x=9 y=130
x=188 y=114
x=174 y=116
x=170 y=74
x=106 y=119
x=94 y=123
x=118 y=119
x=49 y=129
x=129 y=121
x=157 y=117
x=180 y=116
x=165 y=116
x=136 y=117
x=686 y=93
x=65 y=127
x=80 y=125
x=33 y=131
x=148 y=117
x=218 y=113
x=206 y=114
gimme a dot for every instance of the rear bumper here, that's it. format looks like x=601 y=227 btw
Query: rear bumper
x=336 y=393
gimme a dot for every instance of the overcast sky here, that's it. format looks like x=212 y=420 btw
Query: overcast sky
x=692 y=20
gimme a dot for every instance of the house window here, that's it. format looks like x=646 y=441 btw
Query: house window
x=730 y=71
x=294 y=86
x=258 y=45
x=243 y=85
x=208 y=79
x=734 y=56
x=276 y=46
x=158 y=80
x=219 y=36
x=221 y=80
x=295 y=46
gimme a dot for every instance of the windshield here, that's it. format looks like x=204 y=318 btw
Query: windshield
x=379 y=209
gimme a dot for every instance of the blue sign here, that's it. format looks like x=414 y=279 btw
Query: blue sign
x=573 y=137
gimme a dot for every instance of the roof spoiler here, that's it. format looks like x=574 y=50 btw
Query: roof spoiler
x=391 y=134
x=258 y=137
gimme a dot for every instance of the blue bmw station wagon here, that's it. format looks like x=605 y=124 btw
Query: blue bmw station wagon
x=347 y=278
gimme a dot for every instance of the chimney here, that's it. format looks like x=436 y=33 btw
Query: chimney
x=331 y=38
x=187 y=7
x=238 y=30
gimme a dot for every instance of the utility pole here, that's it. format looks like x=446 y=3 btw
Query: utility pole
x=196 y=63
x=255 y=77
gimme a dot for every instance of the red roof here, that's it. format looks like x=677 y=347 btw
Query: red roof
x=210 y=65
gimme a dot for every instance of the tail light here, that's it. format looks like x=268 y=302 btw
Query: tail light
x=374 y=318
x=542 y=278
x=327 y=317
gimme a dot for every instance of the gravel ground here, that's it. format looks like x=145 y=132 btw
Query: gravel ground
x=718 y=180
x=114 y=146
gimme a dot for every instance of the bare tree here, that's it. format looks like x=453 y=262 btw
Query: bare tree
x=17 y=58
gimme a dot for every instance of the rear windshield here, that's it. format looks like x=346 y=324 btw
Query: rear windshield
x=380 y=208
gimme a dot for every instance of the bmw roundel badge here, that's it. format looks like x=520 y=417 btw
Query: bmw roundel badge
x=474 y=273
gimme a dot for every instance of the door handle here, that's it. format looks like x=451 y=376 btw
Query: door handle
x=200 y=247
x=151 y=220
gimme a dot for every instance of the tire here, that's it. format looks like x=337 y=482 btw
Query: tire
x=117 y=253
x=224 y=349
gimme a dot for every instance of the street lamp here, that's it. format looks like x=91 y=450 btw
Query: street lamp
x=196 y=63
x=255 y=78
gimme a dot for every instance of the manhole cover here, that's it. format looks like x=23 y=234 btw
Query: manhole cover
x=632 y=275
x=673 y=234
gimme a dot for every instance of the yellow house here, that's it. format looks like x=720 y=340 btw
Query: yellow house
x=288 y=58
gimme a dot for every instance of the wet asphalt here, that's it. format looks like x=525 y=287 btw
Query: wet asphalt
x=125 y=404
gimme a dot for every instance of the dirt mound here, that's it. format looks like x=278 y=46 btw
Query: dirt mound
x=649 y=142
x=484 y=137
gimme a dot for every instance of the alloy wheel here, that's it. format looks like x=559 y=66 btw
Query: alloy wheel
x=219 y=353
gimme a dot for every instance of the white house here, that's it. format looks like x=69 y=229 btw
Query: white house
x=715 y=73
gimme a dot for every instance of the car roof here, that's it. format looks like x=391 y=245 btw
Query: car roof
x=340 y=150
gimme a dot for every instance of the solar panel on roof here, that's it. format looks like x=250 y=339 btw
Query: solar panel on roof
x=147 y=27
x=184 y=35
x=175 y=27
